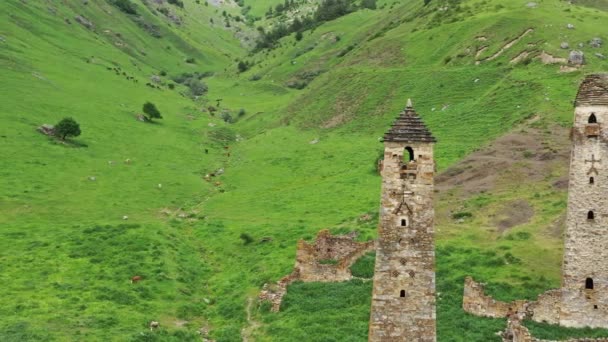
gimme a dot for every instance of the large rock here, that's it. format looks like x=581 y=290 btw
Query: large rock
x=596 y=42
x=576 y=57
x=47 y=129
x=84 y=22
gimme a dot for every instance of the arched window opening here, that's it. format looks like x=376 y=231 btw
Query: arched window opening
x=408 y=154
x=591 y=180
x=590 y=215
x=592 y=118
x=403 y=222
x=589 y=284
x=402 y=294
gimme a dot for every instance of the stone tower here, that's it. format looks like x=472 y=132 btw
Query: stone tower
x=585 y=266
x=403 y=299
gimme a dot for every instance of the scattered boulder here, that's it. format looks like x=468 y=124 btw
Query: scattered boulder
x=92 y=178
x=314 y=141
x=125 y=217
x=581 y=45
x=154 y=325
x=576 y=57
x=599 y=55
x=570 y=27
x=564 y=45
x=46 y=129
x=531 y=5
x=84 y=22
x=155 y=79
x=596 y=42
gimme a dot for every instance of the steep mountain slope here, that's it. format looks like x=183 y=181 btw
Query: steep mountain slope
x=293 y=162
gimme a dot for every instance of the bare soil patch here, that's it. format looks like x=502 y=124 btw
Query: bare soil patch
x=513 y=214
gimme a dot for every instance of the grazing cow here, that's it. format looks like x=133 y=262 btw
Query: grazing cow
x=135 y=279
x=154 y=325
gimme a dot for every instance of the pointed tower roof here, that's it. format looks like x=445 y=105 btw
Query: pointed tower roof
x=593 y=91
x=409 y=128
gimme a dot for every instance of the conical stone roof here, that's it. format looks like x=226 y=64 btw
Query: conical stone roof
x=593 y=91
x=409 y=128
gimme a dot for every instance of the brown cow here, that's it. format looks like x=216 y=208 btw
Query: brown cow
x=135 y=279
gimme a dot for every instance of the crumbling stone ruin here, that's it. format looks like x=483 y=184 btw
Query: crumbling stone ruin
x=328 y=259
x=582 y=301
x=403 y=297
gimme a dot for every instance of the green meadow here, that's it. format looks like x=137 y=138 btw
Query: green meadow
x=276 y=153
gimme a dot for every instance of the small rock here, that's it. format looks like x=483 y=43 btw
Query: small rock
x=564 y=45
x=211 y=124
x=46 y=129
x=128 y=161
x=219 y=171
x=84 y=22
x=596 y=42
x=92 y=178
x=570 y=26
x=160 y=186
x=599 y=55
x=314 y=141
x=581 y=45
x=125 y=217
x=576 y=57
x=155 y=79
x=531 y=5
x=154 y=325
x=476 y=80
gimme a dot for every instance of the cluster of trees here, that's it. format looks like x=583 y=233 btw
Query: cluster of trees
x=193 y=82
x=328 y=10
x=280 y=8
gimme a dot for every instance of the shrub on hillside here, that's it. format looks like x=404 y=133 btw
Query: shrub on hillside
x=67 y=127
x=177 y=3
x=151 y=111
x=247 y=239
x=197 y=88
x=125 y=5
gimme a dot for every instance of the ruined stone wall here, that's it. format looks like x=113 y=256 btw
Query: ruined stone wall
x=476 y=302
x=546 y=308
x=328 y=259
x=403 y=298
x=585 y=265
x=516 y=332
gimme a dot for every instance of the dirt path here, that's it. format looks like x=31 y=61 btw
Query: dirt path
x=251 y=323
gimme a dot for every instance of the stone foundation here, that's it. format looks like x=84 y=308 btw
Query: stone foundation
x=328 y=259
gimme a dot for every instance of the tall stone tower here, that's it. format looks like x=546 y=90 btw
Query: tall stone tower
x=403 y=299
x=585 y=266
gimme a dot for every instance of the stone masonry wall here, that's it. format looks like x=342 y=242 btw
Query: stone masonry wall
x=476 y=302
x=585 y=265
x=328 y=259
x=403 y=298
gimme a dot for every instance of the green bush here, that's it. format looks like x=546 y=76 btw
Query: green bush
x=364 y=267
x=125 y=5
x=151 y=111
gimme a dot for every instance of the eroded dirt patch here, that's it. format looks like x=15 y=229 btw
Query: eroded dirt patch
x=513 y=214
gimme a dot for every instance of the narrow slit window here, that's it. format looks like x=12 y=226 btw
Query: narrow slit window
x=592 y=118
x=591 y=180
x=403 y=223
x=402 y=294
x=590 y=215
x=589 y=284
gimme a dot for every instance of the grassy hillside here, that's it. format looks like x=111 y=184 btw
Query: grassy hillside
x=293 y=161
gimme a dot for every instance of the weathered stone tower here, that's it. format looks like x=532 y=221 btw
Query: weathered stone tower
x=585 y=266
x=403 y=299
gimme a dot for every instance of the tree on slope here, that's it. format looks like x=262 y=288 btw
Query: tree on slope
x=67 y=127
x=151 y=111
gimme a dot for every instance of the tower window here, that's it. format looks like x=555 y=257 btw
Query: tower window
x=589 y=284
x=403 y=223
x=590 y=215
x=592 y=118
x=409 y=156
x=402 y=294
x=591 y=180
